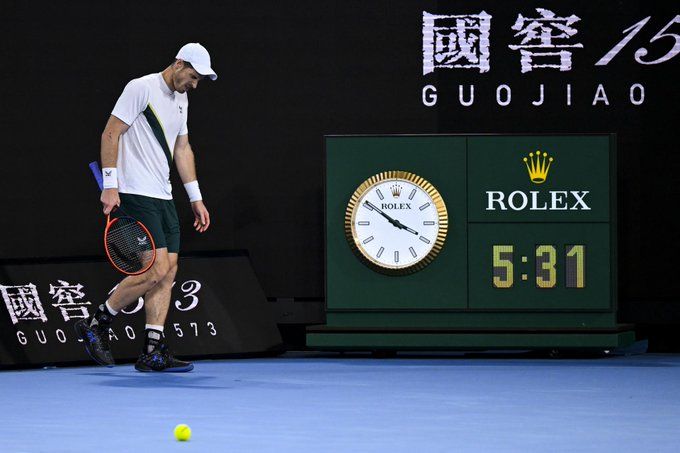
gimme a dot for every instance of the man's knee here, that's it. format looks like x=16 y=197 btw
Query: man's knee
x=172 y=271
x=172 y=268
x=158 y=271
x=169 y=276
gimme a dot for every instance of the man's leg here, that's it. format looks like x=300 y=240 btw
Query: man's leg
x=94 y=330
x=157 y=299
x=134 y=286
x=156 y=355
x=156 y=305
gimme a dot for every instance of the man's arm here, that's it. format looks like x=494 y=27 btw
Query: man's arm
x=109 y=155
x=184 y=160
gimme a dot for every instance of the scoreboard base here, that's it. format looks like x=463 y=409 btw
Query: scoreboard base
x=353 y=339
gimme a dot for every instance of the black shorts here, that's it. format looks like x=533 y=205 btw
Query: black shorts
x=159 y=216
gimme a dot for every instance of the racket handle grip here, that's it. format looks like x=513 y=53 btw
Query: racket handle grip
x=94 y=166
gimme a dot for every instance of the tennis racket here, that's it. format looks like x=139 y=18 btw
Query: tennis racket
x=128 y=243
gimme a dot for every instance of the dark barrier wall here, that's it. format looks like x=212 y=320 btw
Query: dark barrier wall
x=217 y=308
x=291 y=72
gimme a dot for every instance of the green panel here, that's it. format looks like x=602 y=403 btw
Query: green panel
x=452 y=303
x=350 y=161
x=496 y=170
x=538 y=277
x=428 y=341
x=467 y=319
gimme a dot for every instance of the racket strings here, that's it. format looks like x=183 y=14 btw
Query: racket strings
x=129 y=245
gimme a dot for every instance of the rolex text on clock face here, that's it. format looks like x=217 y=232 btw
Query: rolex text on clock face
x=398 y=223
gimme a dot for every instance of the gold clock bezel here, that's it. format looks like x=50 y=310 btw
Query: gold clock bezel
x=353 y=204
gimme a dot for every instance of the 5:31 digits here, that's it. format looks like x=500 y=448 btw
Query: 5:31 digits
x=545 y=265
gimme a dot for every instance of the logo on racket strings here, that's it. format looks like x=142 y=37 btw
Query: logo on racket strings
x=142 y=241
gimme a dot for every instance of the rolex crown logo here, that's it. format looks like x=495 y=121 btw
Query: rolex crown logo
x=396 y=190
x=538 y=166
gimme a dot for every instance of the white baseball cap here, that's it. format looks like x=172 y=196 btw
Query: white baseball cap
x=199 y=58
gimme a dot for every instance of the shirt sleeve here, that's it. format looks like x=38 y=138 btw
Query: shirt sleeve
x=184 y=130
x=132 y=102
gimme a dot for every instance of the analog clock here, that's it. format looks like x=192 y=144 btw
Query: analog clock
x=396 y=222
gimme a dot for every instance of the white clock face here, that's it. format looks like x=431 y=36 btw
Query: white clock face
x=396 y=223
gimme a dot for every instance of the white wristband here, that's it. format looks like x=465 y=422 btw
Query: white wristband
x=110 y=177
x=193 y=191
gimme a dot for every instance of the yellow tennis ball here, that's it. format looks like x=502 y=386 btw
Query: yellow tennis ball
x=182 y=432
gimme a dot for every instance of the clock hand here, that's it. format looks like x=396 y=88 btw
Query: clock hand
x=389 y=219
x=404 y=227
x=394 y=222
x=410 y=230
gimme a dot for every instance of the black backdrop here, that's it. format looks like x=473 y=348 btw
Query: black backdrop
x=292 y=71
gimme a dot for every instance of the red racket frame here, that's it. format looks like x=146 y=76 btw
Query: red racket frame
x=110 y=223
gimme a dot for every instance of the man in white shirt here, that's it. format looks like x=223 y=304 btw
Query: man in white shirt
x=146 y=132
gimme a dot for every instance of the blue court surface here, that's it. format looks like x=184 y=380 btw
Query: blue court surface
x=310 y=402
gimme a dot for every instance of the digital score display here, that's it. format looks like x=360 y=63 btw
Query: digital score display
x=545 y=268
x=540 y=229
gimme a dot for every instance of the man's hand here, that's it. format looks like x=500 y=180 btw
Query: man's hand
x=110 y=199
x=202 y=217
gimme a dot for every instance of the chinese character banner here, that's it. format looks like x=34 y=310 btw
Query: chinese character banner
x=217 y=308
x=562 y=57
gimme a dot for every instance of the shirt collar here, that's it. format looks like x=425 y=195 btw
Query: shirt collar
x=164 y=86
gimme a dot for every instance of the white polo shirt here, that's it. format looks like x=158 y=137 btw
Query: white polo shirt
x=156 y=116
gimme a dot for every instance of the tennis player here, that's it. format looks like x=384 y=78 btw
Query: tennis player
x=146 y=132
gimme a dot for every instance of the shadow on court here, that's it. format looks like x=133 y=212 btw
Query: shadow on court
x=156 y=380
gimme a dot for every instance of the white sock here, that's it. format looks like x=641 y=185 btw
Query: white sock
x=154 y=327
x=111 y=310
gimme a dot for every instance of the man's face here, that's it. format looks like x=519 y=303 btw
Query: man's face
x=185 y=78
